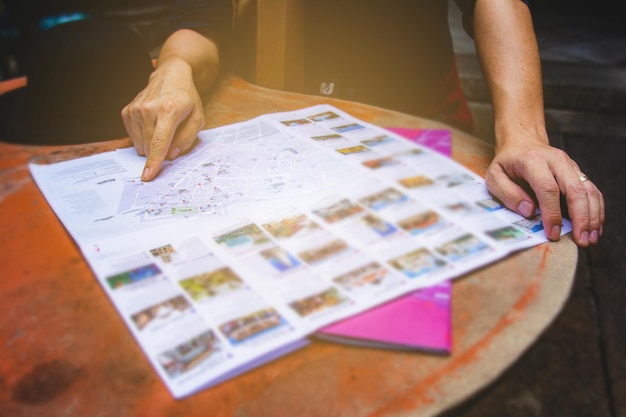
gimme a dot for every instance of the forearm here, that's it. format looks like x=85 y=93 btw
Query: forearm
x=189 y=50
x=509 y=55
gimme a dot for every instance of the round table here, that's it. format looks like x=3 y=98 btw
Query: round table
x=64 y=351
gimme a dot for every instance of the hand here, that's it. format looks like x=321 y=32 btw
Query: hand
x=549 y=172
x=164 y=119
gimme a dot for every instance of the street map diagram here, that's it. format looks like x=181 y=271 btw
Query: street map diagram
x=248 y=162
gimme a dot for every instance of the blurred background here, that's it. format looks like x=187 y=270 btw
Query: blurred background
x=20 y=20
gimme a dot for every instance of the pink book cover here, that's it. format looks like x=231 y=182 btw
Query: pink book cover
x=439 y=140
x=420 y=320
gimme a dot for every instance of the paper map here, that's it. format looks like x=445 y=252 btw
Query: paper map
x=271 y=229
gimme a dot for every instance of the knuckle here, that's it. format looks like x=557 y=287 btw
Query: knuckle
x=560 y=154
x=197 y=119
x=557 y=156
x=595 y=193
x=551 y=212
x=158 y=144
x=138 y=145
x=167 y=105
x=509 y=197
x=157 y=105
x=578 y=190
x=583 y=219
x=491 y=175
x=145 y=108
x=533 y=155
x=548 y=187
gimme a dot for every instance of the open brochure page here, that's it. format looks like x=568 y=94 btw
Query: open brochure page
x=271 y=229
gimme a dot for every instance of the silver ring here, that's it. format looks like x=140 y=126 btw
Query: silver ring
x=583 y=178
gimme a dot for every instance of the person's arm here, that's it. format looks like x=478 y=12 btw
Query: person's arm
x=507 y=48
x=164 y=119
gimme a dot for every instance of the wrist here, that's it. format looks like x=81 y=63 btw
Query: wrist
x=174 y=64
x=518 y=131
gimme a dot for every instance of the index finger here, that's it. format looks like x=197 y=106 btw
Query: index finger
x=159 y=147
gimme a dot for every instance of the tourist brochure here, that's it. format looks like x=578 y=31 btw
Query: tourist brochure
x=420 y=320
x=271 y=229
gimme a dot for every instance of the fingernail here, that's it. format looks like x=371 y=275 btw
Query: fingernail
x=525 y=208
x=584 y=238
x=593 y=236
x=555 y=233
x=146 y=173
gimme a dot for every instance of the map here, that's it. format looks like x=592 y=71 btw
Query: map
x=242 y=164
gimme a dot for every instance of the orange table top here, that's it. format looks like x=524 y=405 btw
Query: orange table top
x=65 y=351
x=12 y=84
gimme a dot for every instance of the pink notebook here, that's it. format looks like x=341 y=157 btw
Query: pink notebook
x=439 y=140
x=420 y=320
